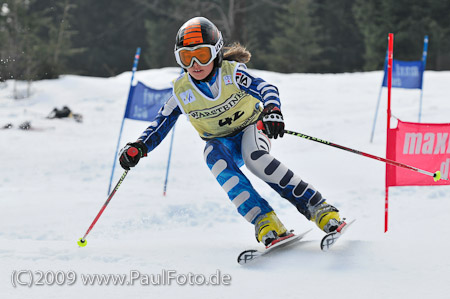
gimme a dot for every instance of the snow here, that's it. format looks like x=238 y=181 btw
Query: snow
x=54 y=180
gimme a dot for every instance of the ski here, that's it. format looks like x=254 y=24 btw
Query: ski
x=249 y=255
x=331 y=238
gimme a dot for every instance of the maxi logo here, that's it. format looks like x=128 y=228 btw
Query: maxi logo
x=219 y=109
x=426 y=143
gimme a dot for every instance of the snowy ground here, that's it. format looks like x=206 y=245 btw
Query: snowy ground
x=54 y=181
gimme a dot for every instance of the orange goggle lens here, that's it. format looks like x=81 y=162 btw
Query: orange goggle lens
x=202 y=54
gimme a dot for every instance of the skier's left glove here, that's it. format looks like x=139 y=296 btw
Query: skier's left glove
x=130 y=155
x=273 y=121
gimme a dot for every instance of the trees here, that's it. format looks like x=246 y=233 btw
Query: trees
x=410 y=21
x=341 y=40
x=22 y=46
x=44 y=38
x=439 y=31
x=372 y=24
x=295 y=44
x=34 y=40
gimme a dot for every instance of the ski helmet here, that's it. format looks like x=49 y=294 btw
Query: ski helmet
x=200 y=31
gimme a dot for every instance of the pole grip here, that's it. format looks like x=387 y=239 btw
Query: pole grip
x=132 y=152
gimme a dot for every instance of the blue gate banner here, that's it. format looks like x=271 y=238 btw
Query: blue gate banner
x=144 y=102
x=405 y=74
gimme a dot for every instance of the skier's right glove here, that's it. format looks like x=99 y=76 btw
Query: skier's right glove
x=130 y=155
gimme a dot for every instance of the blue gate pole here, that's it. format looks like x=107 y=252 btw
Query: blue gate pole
x=378 y=102
x=135 y=64
x=376 y=114
x=424 y=64
x=168 y=162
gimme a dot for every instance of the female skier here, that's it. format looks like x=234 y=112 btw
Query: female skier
x=224 y=102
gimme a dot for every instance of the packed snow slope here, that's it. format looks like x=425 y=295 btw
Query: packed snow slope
x=54 y=180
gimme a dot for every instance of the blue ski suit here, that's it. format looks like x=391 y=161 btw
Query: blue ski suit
x=224 y=111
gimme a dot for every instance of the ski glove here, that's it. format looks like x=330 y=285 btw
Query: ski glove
x=273 y=123
x=130 y=155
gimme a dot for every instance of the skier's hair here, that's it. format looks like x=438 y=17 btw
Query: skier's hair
x=237 y=52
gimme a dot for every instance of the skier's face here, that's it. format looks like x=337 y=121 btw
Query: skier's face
x=199 y=72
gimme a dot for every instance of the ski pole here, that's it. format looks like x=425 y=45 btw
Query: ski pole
x=436 y=175
x=132 y=152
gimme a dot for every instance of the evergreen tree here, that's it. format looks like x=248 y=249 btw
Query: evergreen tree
x=110 y=31
x=44 y=38
x=157 y=52
x=5 y=43
x=60 y=37
x=341 y=41
x=373 y=25
x=409 y=23
x=294 y=47
x=439 y=34
x=258 y=29
x=22 y=47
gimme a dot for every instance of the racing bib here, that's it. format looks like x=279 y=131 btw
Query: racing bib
x=231 y=111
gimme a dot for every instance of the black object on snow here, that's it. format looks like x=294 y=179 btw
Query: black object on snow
x=25 y=125
x=65 y=112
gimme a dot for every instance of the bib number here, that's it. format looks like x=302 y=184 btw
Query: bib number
x=229 y=120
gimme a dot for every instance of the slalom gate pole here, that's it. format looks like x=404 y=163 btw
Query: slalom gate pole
x=436 y=175
x=424 y=64
x=379 y=97
x=82 y=242
x=133 y=71
x=388 y=125
x=168 y=162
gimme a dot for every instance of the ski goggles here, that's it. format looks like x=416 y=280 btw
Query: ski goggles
x=202 y=54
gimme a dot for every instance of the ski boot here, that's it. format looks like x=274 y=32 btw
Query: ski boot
x=326 y=217
x=268 y=228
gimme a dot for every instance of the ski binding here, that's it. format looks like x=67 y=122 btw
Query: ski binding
x=331 y=238
x=251 y=254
